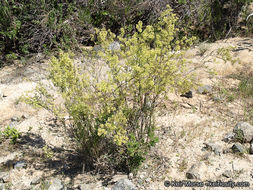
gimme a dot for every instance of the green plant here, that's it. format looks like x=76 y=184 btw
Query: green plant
x=113 y=111
x=47 y=152
x=11 y=132
x=239 y=136
x=225 y=54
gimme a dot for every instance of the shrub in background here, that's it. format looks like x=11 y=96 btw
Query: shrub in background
x=41 y=25
x=211 y=19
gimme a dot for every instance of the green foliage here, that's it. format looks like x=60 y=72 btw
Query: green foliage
x=225 y=54
x=239 y=136
x=27 y=27
x=41 y=98
x=42 y=25
x=47 y=152
x=12 y=133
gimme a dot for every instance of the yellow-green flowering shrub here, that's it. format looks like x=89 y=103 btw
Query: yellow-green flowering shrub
x=113 y=102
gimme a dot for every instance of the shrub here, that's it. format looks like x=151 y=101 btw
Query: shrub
x=113 y=102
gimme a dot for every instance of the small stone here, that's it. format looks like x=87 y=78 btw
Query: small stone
x=124 y=184
x=56 y=184
x=20 y=164
x=84 y=187
x=35 y=181
x=251 y=147
x=238 y=148
x=213 y=147
x=67 y=180
x=142 y=175
x=24 y=116
x=15 y=119
x=4 y=177
x=187 y=94
x=1 y=95
x=205 y=89
x=130 y=176
x=228 y=174
x=148 y=180
x=229 y=137
x=193 y=172
x=243 y=131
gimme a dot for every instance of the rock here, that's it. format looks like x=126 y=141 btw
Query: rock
x=251 y=147
x=130 y=176
x=20 y=164
x=205 y=89
x=228 y=174
x=238 y=148
x=35 y=181
x=1 y=186
x=124 y=184
x=114 y=46
x=193 y=172
x=229 y=137
x=243 y=131
x=84 y=187
x=15 y=119
x=213 y=147
x=4 y=177
x=24 y=116
x=142 y=175
x=1 y=95
x=187 y=94
x=56 y=184
x=67 y=180
x=148 y=180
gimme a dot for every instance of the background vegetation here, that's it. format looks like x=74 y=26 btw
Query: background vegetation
x=41 y=25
